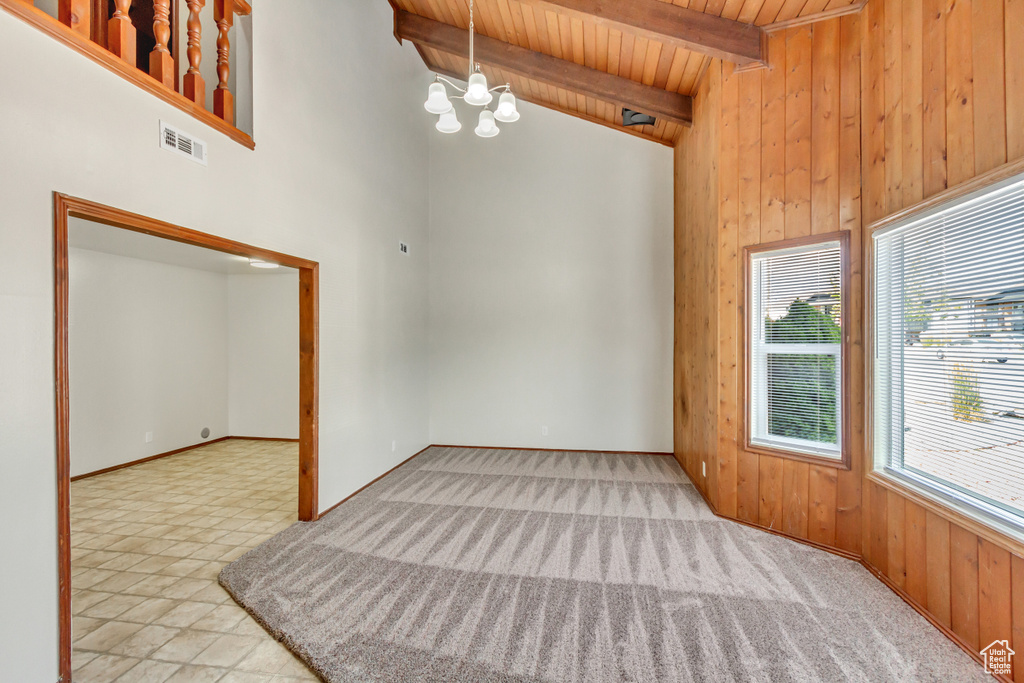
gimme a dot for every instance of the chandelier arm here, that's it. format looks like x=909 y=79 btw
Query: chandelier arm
x=445 y=80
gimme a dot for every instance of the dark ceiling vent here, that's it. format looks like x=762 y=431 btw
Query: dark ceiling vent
x=635 y=118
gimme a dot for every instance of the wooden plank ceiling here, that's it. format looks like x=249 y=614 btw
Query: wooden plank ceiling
x=610 y=37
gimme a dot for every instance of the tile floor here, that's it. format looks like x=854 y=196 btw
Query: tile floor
x=147 y=543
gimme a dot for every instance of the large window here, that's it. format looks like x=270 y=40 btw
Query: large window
x=795 y=348
x=948 y=396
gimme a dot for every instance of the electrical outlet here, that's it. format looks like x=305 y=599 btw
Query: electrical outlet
x=544 y=430
x=703 y=468
x=149 y=437
x=403 y=248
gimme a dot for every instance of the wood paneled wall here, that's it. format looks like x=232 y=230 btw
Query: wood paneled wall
x=790 y=167
x=943 y=101
x=696 y=267
x=786 y=147
x=857 y=118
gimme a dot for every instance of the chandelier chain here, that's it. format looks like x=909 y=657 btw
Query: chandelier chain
x=472 y=60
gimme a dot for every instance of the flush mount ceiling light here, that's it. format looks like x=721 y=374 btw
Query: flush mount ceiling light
x=476 y=93
x=259 y=263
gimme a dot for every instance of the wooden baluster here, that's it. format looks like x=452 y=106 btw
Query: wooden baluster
x=99 y=22
x=161 y=63
x=223 y=100
x=121 y=32
x=77 y=14
x=193 y=85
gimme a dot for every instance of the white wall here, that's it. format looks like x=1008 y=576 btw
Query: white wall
x=327 y=181
x=147 y=347
x=263 y=355
x=551 y=287
x=340 y=175
x=169 y=350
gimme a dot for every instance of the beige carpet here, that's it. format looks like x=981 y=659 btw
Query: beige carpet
x=489 y=565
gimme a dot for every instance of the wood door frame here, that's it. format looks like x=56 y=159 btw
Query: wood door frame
x=309 y=305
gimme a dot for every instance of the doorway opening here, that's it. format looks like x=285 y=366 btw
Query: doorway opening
x=65 y=208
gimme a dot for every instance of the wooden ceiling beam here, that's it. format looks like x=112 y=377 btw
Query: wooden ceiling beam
x=444 y=71
x=670 y=24
x=546 y=69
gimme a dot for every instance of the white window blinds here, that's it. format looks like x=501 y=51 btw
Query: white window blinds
x=795 y=393
x=949 y=351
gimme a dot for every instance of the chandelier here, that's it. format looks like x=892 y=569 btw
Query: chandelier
x=476 y=94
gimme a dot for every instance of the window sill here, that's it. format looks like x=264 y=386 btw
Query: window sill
x=839 y=464
x=44 y=22
x=1003 y=535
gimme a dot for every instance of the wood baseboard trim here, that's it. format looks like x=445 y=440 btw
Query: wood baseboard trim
x=545 y=450
x=176 y=451
x=123 y=465
x=264 y=438
x=946 y=631
x=862 y=561
x=814 y=544
x=368 y=485
x=481 y=448
x=289 y=440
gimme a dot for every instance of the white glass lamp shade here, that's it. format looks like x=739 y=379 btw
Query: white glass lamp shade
x=437 y=100
x=507 y=112
x=449 y=122
x=478 y=94
x=487 y=128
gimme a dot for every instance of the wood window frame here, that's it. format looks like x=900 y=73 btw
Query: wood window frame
x=309 y=305
x=976 y=522
x=842 y=462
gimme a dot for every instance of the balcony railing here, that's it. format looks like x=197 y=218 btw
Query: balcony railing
x=140 y=40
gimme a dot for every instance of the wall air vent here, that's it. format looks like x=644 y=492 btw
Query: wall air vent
x=175 y=140
x=635 y=118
